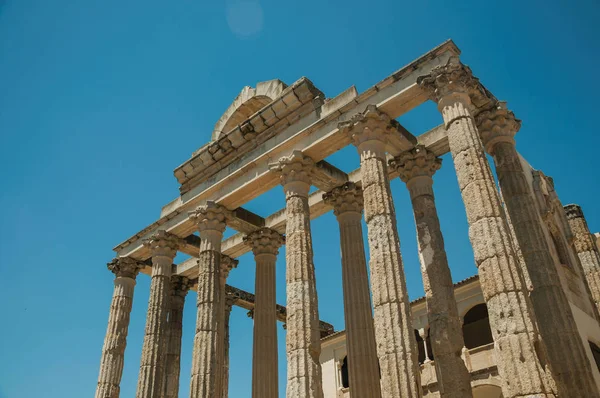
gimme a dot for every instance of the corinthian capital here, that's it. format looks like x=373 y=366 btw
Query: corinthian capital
x=180 y=285
x=265 y=241
x=497 y=124
x=210 y=217
x=163 y=243
x=573 y=211
x=125 y=267
x=345 y=198
x=227 y=264
x=294 y=168
x=417 y=162
x=453 y=80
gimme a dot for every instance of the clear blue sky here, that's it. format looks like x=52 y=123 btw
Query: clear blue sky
x=101 y=100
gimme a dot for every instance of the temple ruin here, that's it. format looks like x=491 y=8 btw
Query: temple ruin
x=538 y=283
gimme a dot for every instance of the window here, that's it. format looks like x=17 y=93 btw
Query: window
x=476 y=327
x=345 y=378
x=420 y=346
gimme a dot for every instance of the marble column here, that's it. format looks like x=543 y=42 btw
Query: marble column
x=227 y=264
x=179 y=289
x=151 y=381
x=519 y=352
x=113 y=351
x=363 y=366
x=568 y=360
x=394 y=333
x=229 y=302
x=586 y=249
x=211 y=222
x=303 y=343
x=423 y=336
x=265 y=244
x=416 y=168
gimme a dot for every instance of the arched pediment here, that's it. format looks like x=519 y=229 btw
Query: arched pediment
x=248 y=102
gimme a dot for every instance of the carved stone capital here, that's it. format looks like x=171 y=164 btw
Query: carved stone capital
x=163 y=244
x=370 y=129
x=345 y=198
x=210 y=217
x=230 y=300
x=453 y=82
x=125 y=267
x=497 y=124
x=265 y=241
x=227 y=264
x=295 y=169
x=417 y=162
x=180 y=285
x=573 y=211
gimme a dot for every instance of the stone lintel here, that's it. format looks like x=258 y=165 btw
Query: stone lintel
x=326 y=176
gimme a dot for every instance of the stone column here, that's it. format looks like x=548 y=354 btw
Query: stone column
x=179 y=289
x=363 y=367
x=211 y=222
x=394 y=333
x=265 y=245
x=586 y=249
x=519 y=352
x=113 y=351
x=416 y=168
x=568 y=360
x=227 y=264
x=423 y=335
x=151 y=381
x=303 y=343
x=229 y=302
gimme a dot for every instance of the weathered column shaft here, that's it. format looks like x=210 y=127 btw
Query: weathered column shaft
x=394 y=333
x=363 y=366
x=227 y=264
x=179 y=288
x=113 y=351
x=587 y=251
x=416 y=168
x=151 y=381
x=519 y=352
x=210 y=220
x=568 y=360
x=229 y=301
x=265 y=245
x=303 y=344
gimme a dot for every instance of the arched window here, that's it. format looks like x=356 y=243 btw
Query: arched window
x=476 y=327
x=420 y=346
x=428 y=345
x=345 y=378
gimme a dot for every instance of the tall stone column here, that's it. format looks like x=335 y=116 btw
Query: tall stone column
x=363 y=366
x=151 y=381
x=179 y=289
x=265 y=245
x=568 y=360
x=227 y=264
x=586 y=249
x=211 y=222
x=229 y=302
x=113 y=351
x=519 y=352
x=303 y=343
x=394 y=333
x=416 y=168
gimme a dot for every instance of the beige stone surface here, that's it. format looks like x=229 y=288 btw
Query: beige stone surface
x=229 y=302
x=416 y=168
x=363 y=366
x=521 y=354
x=570 y=367
x=227 y=264
x=151 y=380
x=303 y=344
x=113 y=351
x=372 y=131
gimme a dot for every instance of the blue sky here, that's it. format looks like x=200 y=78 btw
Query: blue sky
x=101 y=100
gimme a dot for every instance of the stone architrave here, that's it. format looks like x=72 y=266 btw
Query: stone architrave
x=227 y=264
x=363 y=366
x=519 y=352
x=113 y=351
x=229 y=302
x=394 y=333
x=211 y=221
x=180 y=286
x=151 y=381
x=568 y=360
x=586 y=249
x=303 y=343
x=416 y=168
x=265 y=244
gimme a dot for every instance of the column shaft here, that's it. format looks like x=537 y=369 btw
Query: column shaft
x=227 y=263
x=179 y=289
x=229 y=301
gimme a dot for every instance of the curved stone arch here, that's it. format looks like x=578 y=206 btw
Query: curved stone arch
x=249 y=101
x=487 y=388
x=468 y=304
